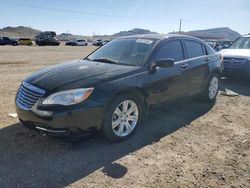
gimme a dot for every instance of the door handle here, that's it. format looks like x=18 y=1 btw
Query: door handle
x=184 y=65
x=207 y=59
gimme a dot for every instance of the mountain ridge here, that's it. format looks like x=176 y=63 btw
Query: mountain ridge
x=222 y=33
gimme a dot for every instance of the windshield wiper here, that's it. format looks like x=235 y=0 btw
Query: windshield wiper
x=104 y=60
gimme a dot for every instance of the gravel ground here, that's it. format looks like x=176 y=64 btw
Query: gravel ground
x=191 y=145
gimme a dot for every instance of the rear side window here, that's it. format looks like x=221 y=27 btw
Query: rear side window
x=194 y=49
x=172 y=49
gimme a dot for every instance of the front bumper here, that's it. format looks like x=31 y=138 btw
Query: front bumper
x=242 y=70
x=86 y=118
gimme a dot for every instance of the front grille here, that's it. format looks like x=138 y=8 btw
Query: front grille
x=28 y=95
x=234 y=60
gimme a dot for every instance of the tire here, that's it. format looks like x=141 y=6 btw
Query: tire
x=117 y=128
x=86 y=44
x=212 y=88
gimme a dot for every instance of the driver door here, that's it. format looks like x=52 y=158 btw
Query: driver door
x=169 y=84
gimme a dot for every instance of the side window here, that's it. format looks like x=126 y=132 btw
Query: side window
x=194 y=49
x=204 y=49
x=172 y=49
x=210 y=50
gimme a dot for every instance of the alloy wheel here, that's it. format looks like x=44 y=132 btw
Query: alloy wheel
x=213 y=87
x=125 y=118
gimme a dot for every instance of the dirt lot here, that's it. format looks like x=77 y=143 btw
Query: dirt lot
x=192 y=145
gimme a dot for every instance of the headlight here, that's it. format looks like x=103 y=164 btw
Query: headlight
x=68 y=97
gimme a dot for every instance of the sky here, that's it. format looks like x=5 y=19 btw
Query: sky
x=99 y=17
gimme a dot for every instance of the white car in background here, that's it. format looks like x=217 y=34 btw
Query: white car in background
x=79 y=42
x=236 y=59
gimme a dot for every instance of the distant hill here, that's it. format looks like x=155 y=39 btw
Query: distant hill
x=68 y=36
x=134 y=31
x=17 y=32
x=223 y=33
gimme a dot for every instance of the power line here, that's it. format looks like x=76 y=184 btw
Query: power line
x=74 y=11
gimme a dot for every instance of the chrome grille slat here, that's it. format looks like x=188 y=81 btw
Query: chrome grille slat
x=30 y=98
x=22 y=103
x=28 y=95
x=234 y=60
x=30 y=92
x=26 y=101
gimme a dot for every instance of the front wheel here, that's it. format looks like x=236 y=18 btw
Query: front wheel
x=122 y=118
x=212 y=88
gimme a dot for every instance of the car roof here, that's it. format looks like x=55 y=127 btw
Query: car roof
x=158 y=36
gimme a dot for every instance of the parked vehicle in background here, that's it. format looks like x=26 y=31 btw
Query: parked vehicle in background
x=105 y=42
x=223 y=45
x=47 y=38
x=70 y=43
x=97 y=42
x=236 y=58
x=79 y=42
x=117 y=85
x=219 y=45
x=8 y=41
x=25 y=41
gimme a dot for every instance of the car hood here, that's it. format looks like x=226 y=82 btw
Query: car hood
x=78 y=74
x=237 y=53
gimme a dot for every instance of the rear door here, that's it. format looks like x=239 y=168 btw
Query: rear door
x=169 y=84
x=198 y=60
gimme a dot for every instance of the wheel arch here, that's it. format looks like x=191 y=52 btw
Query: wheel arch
x=135 y=91
x=219 y=73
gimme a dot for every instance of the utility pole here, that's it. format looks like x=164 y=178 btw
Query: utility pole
x=180 y=26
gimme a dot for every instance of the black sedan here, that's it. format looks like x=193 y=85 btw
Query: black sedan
x=115 y=87
x=8 y=41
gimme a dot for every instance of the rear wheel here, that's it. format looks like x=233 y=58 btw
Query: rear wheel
x=122 y=118
x=212 y=88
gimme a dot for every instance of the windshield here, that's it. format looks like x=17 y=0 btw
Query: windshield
x=124 y=51
x=241 y=43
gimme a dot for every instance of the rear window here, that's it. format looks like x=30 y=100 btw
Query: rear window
x=194 y=49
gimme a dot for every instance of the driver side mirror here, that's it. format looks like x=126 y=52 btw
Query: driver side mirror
x=164 y=63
